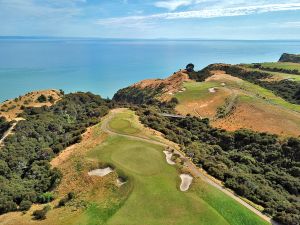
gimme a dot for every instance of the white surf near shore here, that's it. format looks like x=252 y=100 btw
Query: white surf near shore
x=186 y=181
x=101 y=172
x=169 y=157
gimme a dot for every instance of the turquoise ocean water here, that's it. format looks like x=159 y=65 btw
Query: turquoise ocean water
x=104 y=66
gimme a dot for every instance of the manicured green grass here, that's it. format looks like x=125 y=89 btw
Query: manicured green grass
x=228 y=207
x=122 y=123
x=278 y=75
x=155 y=196
x=264 y=94
x=195 y=91
x=282 y=65
x=199 y=90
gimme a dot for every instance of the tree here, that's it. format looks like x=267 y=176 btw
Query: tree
x=42 y=98
x=190 y=67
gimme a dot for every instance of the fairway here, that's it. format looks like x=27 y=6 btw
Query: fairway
x=155 y=197
x=197 y=100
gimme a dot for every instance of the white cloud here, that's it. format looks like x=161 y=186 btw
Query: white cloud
x=204 y=13
x=173 y=4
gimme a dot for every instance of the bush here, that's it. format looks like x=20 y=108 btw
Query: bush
x=25 y=205
x=42 y=98
x=66 y=199
x=50 y=99
x=45 y=197
x=41 y=214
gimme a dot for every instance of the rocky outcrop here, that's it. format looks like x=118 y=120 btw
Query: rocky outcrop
x=285 y=57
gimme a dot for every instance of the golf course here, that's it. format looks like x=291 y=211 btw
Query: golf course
x=155 y=197
x=150 y=191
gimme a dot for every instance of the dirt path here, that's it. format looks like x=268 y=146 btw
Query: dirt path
x=10 y=130
x=7 y=133
x=191 y=166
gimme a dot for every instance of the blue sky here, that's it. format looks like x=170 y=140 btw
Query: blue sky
x=174 y=19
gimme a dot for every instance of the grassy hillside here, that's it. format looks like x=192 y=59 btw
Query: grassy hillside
x=236 y=103
x=10 y=109
x=282 y=65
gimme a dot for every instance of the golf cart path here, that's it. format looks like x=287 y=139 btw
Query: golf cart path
x=193 y=168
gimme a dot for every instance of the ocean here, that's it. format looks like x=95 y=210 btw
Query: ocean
x=103 y=66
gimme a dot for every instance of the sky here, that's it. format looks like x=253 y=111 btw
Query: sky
x=170 y=19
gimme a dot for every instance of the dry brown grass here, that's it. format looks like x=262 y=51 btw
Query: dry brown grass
x=261 y=117
x=11 y=108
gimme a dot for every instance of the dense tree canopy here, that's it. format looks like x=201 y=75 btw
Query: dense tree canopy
x=4 y=126
x=25 y=172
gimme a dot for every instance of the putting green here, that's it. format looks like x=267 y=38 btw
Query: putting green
x=123 y=123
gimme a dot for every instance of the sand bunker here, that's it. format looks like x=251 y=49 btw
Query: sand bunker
x=120 y=182
x=169 y=157
x=101 y=172
x=212 y=90
x=186 y=181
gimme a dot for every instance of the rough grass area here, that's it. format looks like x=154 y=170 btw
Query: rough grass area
x=252 y=106
x=251 y=113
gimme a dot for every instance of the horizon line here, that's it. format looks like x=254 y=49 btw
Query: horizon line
x=146 y=39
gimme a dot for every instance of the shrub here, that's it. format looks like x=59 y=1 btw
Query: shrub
x=42 y=98
x=45 y=197
x=66 y=199
x=41 y=214
x=25 y=205
x=50 y=99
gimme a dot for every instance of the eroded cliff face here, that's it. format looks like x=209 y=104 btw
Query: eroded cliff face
x=294 y=58
x=153 y=89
